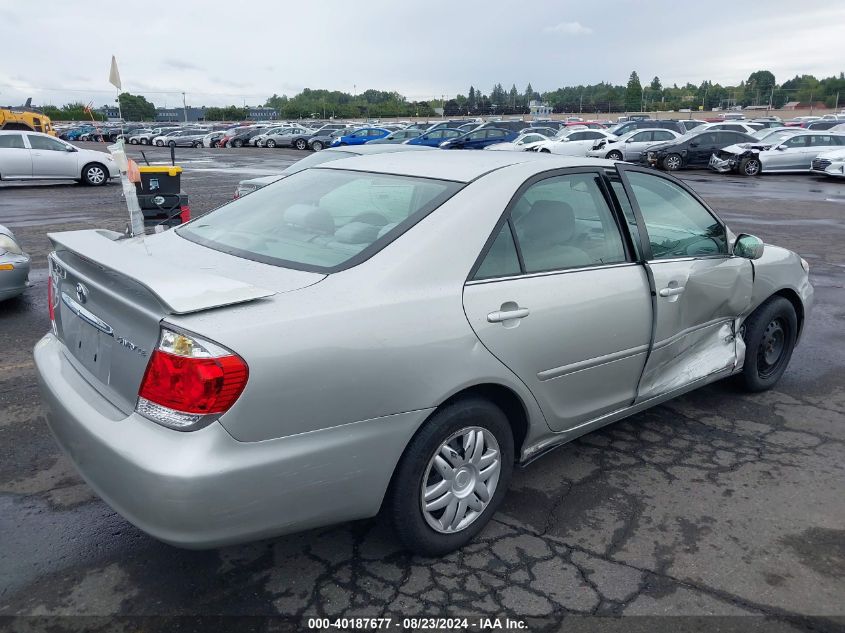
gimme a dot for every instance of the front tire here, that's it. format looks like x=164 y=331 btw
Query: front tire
x=317 y=146
x=133 y=141
x=144 y=141
x=673 y=162
x=770 y=335
x=94 y=175
x=237 y=143
x=452 y=477
x=614 y=155
x=159 y=143
x=750 y=167
x=301 y=144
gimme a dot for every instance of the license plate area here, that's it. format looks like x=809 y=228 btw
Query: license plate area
x=87 y=337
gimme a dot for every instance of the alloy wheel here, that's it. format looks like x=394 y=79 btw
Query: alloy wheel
x=460 y=480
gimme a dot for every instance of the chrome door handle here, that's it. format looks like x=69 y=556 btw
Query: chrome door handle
x=507 y=315
x=671 y=292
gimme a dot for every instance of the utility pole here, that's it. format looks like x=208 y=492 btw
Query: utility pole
x=771 y=99
x=184 y=107
x=811 y=102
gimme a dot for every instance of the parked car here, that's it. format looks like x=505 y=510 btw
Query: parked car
x=302 y=140
x=333 y=153
x=239 y=137
x=444 y=264
x=571 y=142
x=282 y=137
x=213 y=138
x=691 y=150
x=548 y=132
x=186 y=138
x=142 y=136
x=831 y=163
x=73 y=134
x=514 y=126
x=682 y=127
x=162 y=139
x=436 y=137
x=794 y=153
x=821 y=125
x=319 y=141
x=38 y=156
x=745 y=127
x=362 y=136
x=630 y=146
x=399 y=136
x=519 y=143
x=480 y=138
x=14 y=263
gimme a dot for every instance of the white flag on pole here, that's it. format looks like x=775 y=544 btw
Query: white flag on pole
x=114 y=75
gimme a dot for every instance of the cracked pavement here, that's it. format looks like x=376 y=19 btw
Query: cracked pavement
x=720 y=503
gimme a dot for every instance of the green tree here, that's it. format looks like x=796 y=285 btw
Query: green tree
x=471 y=101
x=136 y=107
x=633 y=93
x=655 y=84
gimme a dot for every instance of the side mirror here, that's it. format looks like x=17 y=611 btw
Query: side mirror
x=748 y=246
x=781 y=148
x=70 y=148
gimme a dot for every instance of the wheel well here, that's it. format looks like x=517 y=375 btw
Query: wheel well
x=793 y=298
x=94 y=162
x=510 y=404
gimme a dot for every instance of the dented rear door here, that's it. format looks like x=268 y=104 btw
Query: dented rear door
x=698 y=288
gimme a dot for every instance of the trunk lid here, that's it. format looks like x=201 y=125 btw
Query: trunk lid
x=111 y=295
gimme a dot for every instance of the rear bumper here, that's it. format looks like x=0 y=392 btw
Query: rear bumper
x=204 y=488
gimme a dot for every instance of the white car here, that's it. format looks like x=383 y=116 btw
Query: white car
x=792 y=153
x=631 y=145
x=829 y=164
x=569 y=142
x=730 y=126
x=36 y=156
x=519 y=143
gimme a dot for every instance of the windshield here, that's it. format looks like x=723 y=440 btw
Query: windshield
x=777 y=137
x=320 y=219
x=317 y=158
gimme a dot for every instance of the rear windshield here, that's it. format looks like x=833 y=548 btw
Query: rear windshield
x=323 y=220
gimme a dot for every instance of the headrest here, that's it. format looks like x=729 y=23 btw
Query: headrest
x=549 y=220
x=310 y=218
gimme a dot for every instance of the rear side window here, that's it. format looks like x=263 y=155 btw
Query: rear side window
x=322 y=220
x=14 y=141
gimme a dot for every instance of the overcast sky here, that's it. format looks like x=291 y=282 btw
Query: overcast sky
x=222 y=52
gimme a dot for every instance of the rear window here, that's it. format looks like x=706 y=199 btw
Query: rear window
x=323 y=220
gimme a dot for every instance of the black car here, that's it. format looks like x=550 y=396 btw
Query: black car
x=242 y=138
x=821 y=125
x=321 y=140
x=693 y=150
x=303 y=141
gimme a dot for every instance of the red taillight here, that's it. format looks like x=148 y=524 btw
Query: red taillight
x=184 y=213
x=189 y=381
x=194 y=385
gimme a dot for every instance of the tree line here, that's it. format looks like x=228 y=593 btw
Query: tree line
x=760 y=89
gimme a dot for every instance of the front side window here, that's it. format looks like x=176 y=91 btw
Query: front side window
x=46 y=143
x=319 y=219
x=560 y=222
x=678 y=225
x=796 y=142
x=12 y=141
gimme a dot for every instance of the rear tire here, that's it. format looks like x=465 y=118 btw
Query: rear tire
x=465 y=489
x=270 y=143
x=133 y=141
x=673 y=162
x=197 y=144
x=144 y=141
x=159 y=143
x=770 y=335
x=237 y=143
x=750 y=167
x=300 y=144
x=94 y=175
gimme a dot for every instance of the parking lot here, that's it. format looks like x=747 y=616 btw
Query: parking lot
x=718 y=503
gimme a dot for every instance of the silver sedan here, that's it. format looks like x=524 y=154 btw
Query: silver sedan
x=14 y=266
x=394 y=333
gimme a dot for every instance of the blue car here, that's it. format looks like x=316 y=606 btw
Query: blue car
x=436 y=137
x=359 y=137
x=479 y=139
x=75 y=133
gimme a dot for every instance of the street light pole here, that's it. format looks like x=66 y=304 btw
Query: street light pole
x=184 y=107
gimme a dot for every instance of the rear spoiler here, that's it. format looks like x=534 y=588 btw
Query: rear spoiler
x=181 y=292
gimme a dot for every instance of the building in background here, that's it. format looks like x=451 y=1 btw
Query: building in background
x=112 y=113
x=539 y=108
x=261 y=113
x=177 y=115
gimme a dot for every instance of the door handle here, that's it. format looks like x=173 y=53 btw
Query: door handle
x=507 y=315
x=671 y=292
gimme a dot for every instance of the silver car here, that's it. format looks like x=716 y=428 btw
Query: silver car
x=395 y=332
x=14 y=266
x=630 y=146
x=782 y=152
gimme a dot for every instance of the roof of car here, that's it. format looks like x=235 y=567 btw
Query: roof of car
x=456 y=165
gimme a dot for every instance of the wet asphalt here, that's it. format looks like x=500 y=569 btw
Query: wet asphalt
x=719 y=503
